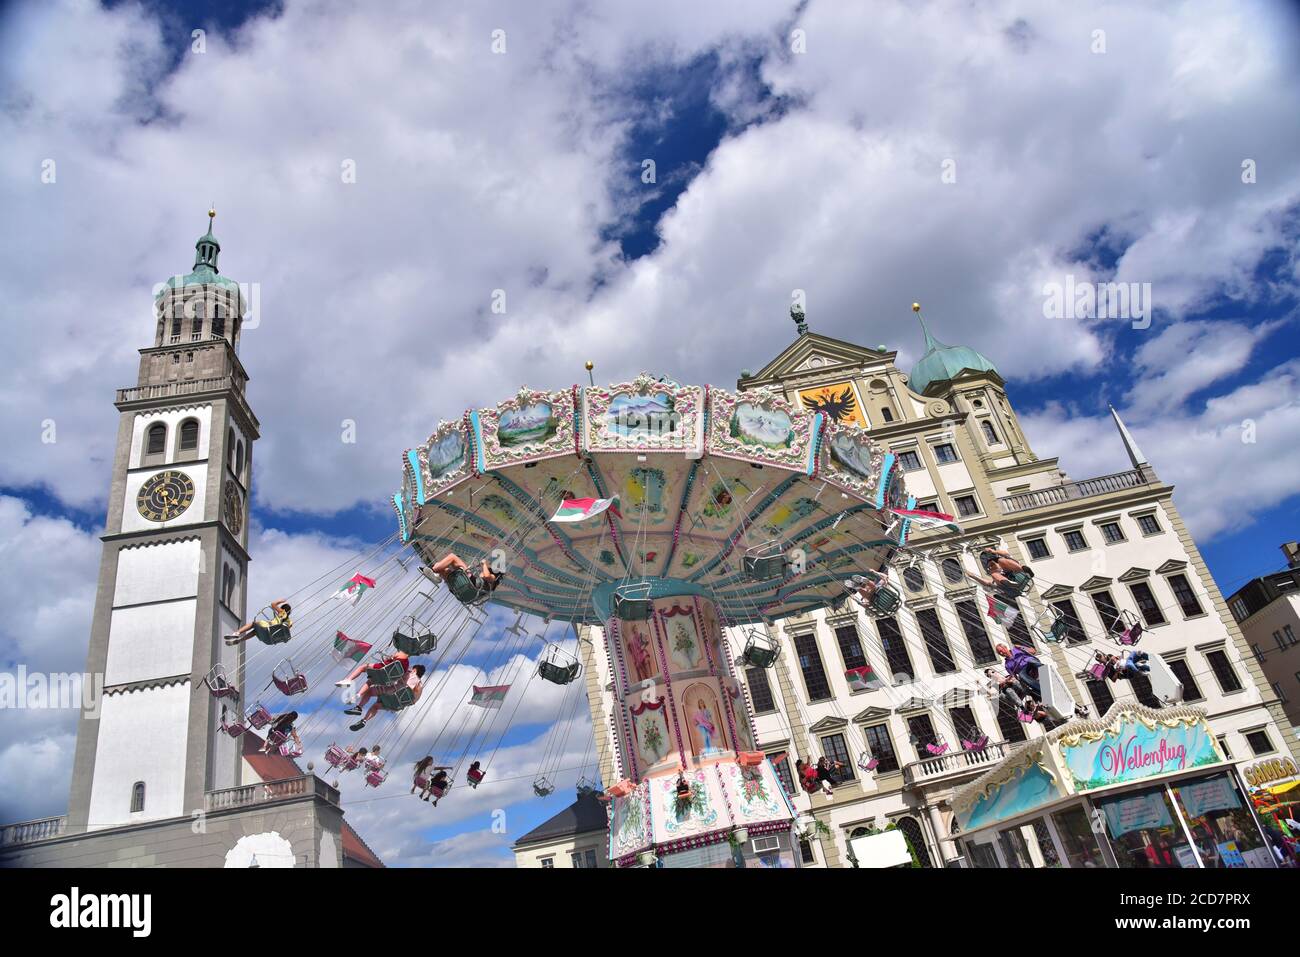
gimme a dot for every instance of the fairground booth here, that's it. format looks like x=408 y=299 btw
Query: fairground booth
x=1139 y=787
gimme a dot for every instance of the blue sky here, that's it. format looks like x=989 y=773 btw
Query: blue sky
x=775 y=171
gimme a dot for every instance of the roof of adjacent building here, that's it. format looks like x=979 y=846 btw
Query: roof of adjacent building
x=276 y=767
x=583 y=816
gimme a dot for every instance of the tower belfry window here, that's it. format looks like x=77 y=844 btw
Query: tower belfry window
x=189 y=435
x=137 y=797
x=157 y=439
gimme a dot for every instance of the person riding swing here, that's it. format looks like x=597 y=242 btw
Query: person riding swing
x=465 y=585
x=273 y=632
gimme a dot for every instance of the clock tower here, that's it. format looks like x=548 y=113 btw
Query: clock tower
x=172 y=576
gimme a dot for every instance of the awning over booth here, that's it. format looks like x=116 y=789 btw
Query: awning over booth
x=1131 y=742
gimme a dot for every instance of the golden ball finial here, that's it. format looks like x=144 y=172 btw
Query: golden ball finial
x=212 y=212
x=916 y=307
x=589 y=365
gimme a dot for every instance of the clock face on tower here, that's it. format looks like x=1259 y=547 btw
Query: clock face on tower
x=232 y=508
x=165 y=496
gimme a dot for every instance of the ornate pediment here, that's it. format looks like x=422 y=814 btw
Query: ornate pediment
x=827 y=725
x=1135 y=574
x=1058 y=591
x=1173 y=565
x=871 y=714
x=912 y=704
x=812 y=353
x=1095 y=582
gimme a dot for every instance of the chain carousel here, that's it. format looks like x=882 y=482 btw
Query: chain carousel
x=659 y=514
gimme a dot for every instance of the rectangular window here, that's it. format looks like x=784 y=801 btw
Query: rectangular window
x=891 y=639
x=1281 y=695
x=1145 y=831
x=1147 y=604
x=990 y=433
x=910 y=461
x=1239 y=610
x=781 y=764
x=1259 y=742
x=887 y=415
x=1111 y=621
x=1009 y=725
x=1075 y=541
x=967 y=505
x=1186 y=597
x=936 y=642
x=810 y=662
x=1073 y=627
x=760 y=692
x=548 y=862
x=1102 y=699
x=1038 y=548
x=944 y=453
x=1112 y=533
x=1018 y=631
x=806 y=854
x=930 y=506
x=922 y=733
x=1281 y=642
x=833 y=747
x=576 y=858
x=1223 y=743
x=1014 y=850
x=1141 y=685
x=964 y=723
x=977 y=636
x=1223 y=670
x=1077 y=838
x=1290 y=635
x=850 y=647
x=1191 y=690
x=1148 y=524
x=881 y=747
x=1258 y=652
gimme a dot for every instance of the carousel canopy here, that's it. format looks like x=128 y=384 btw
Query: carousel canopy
x=741 y=497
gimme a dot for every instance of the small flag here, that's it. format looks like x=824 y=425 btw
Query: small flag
x=581 y=509
x=493 y=696
x=863 y=679
x=356 y=586
x=345 y=647
x=1002 y=612
x=925 y=519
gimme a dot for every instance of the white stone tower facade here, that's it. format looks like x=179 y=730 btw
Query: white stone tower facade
x=172 y=577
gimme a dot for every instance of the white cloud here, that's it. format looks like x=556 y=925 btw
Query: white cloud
x=1230 y=461
x=478 y=172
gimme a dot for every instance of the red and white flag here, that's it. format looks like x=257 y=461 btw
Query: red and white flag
x=581 y=509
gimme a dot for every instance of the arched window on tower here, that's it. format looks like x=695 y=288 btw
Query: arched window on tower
x=137 y=797
x=239 y=459
x=990 y=433
x=156 y=439
x=218 y=321
x=230 y=450
x=189 y=437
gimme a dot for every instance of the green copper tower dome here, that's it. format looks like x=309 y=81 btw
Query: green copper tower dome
x=205 y=271
x=942 y=363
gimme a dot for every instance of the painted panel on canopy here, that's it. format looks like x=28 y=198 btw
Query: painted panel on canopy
x=653 y=739
x=530 y=426
x=644 y=415
x=704 y=721
x=759 y=426
x=851 y=460
x=445 y=459
x=649 y=492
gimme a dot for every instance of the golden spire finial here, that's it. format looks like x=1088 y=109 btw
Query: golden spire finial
x=212 y=213
x=916 y=307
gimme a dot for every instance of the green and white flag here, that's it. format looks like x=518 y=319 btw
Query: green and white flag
x=492 y=696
